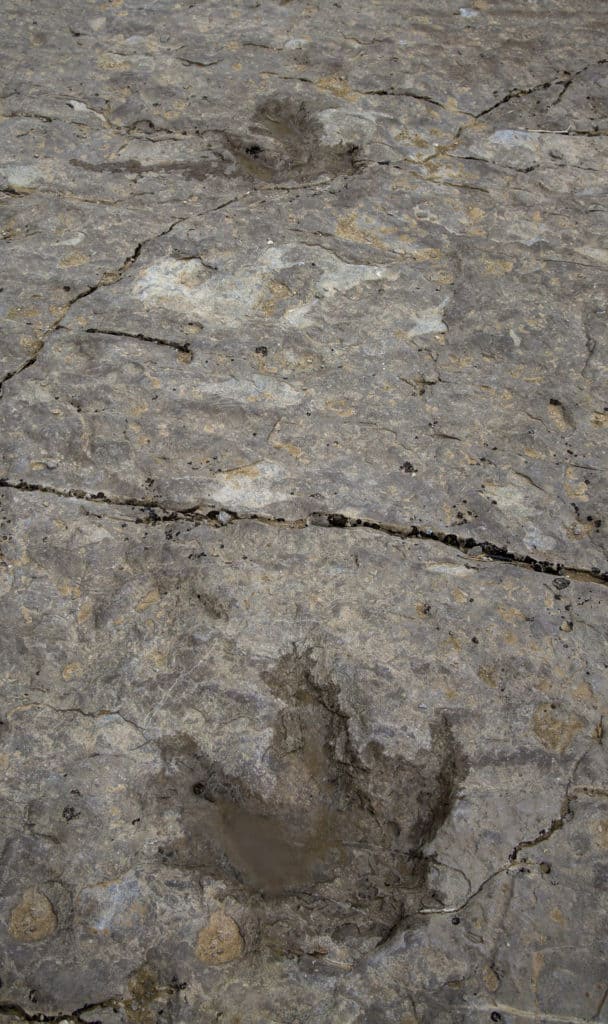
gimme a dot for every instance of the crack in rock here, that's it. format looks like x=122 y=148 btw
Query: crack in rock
x=180 y=346
x=336 y=520
x=108 y=277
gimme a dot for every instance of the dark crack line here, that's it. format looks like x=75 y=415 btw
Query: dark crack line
x=30 y=362
x=103 y=713
x=221 y=517
x=57 y=1018
x=515 y=93
x=200 y=63
x=546 y=832
x=564 y=90
x=590 y=133
x=515 y=863
x=108 y=277
x=566 y=812
x=565 y=81
x=409 y=93
x=181 y=347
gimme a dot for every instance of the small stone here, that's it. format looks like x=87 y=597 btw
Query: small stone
x=490 y=979
x=221 y=941
x=33 y=918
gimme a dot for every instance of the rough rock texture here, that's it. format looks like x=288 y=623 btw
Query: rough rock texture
x=303 y=416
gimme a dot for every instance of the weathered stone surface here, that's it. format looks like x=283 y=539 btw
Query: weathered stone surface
x=334 y=737
x=303 y=482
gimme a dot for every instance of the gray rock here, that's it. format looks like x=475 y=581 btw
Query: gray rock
x=303 y=487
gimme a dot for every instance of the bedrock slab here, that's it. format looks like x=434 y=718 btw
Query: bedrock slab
x=251 y=361
x=303 y=557
x=247 y=760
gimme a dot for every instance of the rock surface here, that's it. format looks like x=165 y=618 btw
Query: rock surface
x=303 y=560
